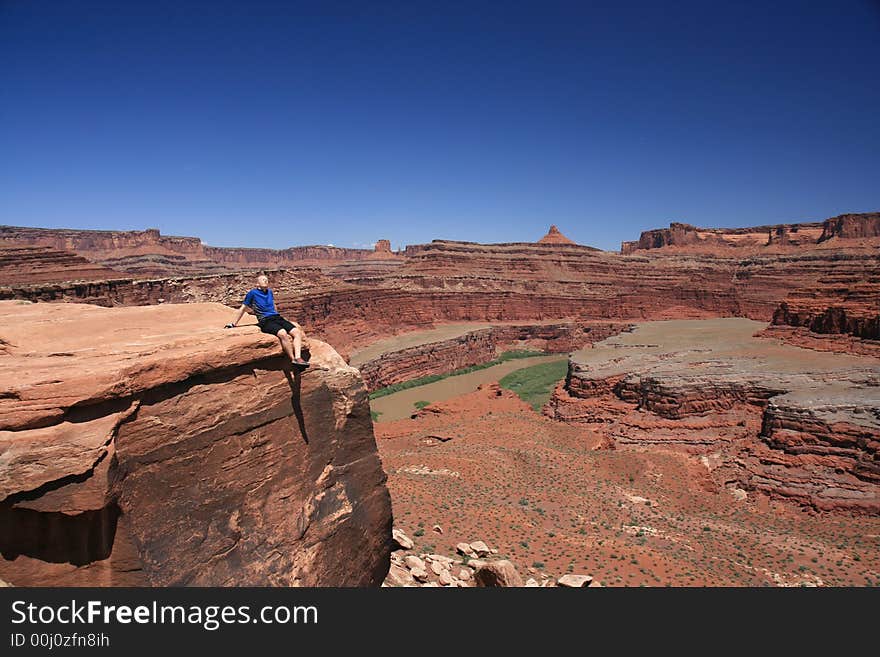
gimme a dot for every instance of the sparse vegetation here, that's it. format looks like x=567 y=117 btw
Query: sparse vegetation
x=535 y=384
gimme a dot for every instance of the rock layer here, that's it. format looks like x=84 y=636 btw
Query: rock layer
x=150 y=253
x=553 y=236
x=791 y=422
x=348 y=301
x=266 y=476
x=34 y=265
x=797 y=235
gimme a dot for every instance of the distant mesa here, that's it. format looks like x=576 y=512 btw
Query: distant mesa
x=863 y=226
x=383 y=246
x=553 y=236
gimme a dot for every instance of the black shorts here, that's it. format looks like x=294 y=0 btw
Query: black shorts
x=274 y=324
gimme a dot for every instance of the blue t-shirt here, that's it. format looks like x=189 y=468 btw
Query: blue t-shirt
x=262 y=303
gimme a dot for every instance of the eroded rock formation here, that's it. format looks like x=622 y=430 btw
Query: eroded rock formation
x=553 y=236
x=148 y=445
x=347 y=302
x=149 y=253
x=757 y=238
x=37 y=265
x=792 y=422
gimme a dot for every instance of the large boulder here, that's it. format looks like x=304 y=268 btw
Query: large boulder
x=497 y=573
x=574 y=581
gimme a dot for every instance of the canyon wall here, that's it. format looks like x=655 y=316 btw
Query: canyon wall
x=850 y=308
x=852 y=226
x=781 y=420
x=846 y=226
x=520 y=283
x=266 y=476
x=352 y=302
x=150 y=253
x=29 y=265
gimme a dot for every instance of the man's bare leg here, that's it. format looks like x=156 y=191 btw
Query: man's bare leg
x=286 y=344
x=297 y=341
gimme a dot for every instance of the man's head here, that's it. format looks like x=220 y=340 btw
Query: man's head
x=263 y=282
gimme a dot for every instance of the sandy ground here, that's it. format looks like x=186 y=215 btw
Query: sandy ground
x=485 y=466
x=547 y=498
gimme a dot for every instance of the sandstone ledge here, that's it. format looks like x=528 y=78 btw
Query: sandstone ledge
x=148 y=445
x=791 y=422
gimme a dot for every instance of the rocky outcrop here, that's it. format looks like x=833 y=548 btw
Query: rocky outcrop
x=265 y=476
x=149 y=253
x=520 y=282
x=685 y=235
x=852 y=226
x=851 y=308
x=481 y=346
x=501 y=573
x=553 y=236
x=841 y=314
x=34 y=265
x=498 y=283
x=797 y=235
x=798 y=424
x=821 y=448
x=838 y=342
x=350 y=302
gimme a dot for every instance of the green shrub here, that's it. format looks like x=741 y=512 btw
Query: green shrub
x=534 y=385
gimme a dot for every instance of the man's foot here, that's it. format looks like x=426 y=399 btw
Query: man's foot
x=300 y=362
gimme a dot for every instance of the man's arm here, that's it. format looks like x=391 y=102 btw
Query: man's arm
x=238 y=315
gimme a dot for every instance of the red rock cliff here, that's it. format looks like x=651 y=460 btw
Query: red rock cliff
x=553 y=236
x=265 y=477
x=150 y=253
x=685 y=236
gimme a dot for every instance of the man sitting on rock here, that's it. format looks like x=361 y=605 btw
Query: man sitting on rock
x=262 y=302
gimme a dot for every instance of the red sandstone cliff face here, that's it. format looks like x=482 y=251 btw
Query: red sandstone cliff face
x=266 y=477
x=838 y=314
x=852 y=226
x=757 y=238
x=553 y=236
x=29 y=265
x=576 y=281
x=819 y=449
x=782 y=421
x=149 y=253
x=461 y=281
x=852 y=308
x=510 y=282
x=687 y=236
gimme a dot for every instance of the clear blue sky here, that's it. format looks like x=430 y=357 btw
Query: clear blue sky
x=271 y=124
